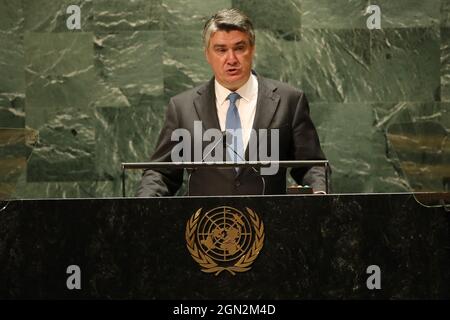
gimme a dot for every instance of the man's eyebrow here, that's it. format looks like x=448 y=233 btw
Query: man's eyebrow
x=236 y=44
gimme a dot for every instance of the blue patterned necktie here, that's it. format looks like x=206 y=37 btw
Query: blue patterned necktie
x=233 y=125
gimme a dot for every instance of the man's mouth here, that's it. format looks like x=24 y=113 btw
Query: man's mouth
x=233 y=71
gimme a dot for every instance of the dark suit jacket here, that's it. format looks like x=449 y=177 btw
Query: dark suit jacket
x=279 y=106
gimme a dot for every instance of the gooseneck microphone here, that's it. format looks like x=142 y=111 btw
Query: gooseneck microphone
x=227 y=145
x=222 y=139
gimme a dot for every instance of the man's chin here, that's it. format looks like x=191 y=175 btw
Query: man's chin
x=234 y=83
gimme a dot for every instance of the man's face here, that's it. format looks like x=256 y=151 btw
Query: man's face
x=230 y=56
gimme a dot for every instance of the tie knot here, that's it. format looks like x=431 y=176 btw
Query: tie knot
x=233 y=97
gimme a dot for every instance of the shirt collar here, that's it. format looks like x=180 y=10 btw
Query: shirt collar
x=247 y=91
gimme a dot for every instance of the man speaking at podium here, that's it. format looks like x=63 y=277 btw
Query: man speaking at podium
x=239 y=99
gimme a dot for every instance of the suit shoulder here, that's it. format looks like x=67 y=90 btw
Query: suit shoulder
x=284 y=89
x=184 y=96
x=187 y=95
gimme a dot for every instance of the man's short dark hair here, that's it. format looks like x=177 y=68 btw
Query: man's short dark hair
x=228 y=20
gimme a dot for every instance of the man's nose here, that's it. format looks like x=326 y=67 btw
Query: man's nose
x=231 y=57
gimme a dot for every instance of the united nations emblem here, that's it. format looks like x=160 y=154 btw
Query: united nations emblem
x=224 y=238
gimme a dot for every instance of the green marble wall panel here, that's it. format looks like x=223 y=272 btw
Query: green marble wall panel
x=12 y=63
x=409 y=13
x=60 y=82
x=185 y=65
x=281 y=17
x=357 y=65
x=107 y=133
x=445 y=120
x=108 y=95
x=445 y=64
x=131 y=63
x=327 y=65
x=445 y=13
x=332 y=14
x=387 y=114
x=129 y=133
x=274 y=57
x=60 y=70
x=405 y=65
x=335 y=65
x=359 y=159
x=51 y=15
x=190 y=14
x=120 y=15
x=12 y=110
x=349 y=14
x=66 y=147
x=11 y=16
x=12 y=80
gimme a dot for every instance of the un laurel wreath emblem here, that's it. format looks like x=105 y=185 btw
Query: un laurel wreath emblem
x=224 y=238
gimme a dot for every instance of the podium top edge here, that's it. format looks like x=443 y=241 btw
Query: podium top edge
x=241 y=164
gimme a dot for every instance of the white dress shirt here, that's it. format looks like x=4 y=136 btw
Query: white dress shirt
x=246 y=105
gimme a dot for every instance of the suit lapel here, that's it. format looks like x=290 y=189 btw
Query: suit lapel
x=205 y=106
x=266 y=106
